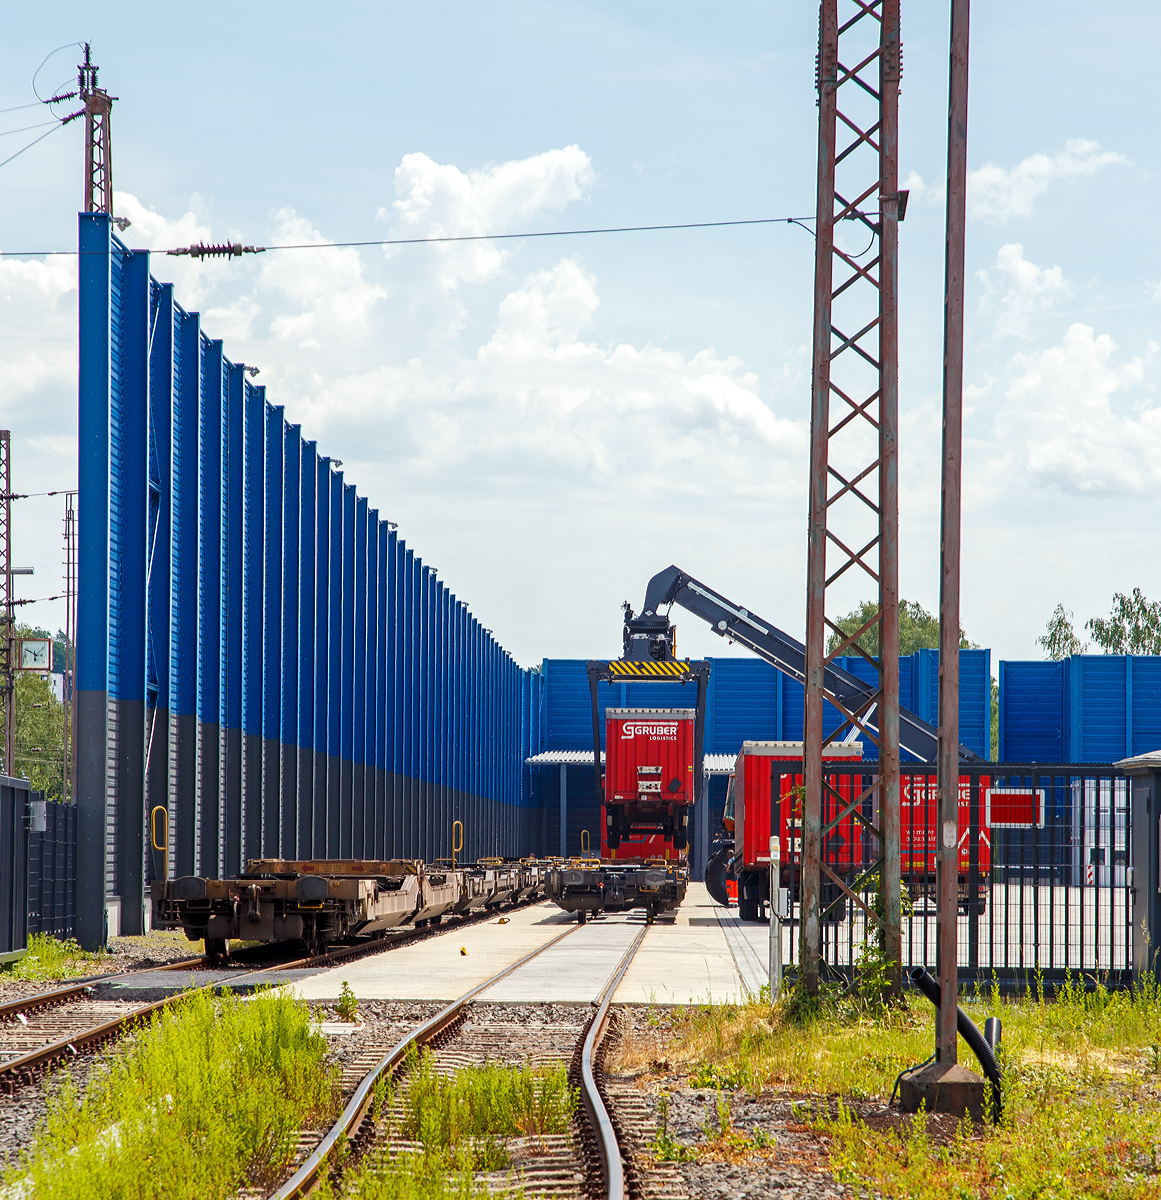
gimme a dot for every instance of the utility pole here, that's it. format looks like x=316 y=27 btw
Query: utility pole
x=98 y=140
x=7 y=616
x=854 y=476
x=949 y=538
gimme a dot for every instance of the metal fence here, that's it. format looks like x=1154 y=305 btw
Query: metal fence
x=52 y=872
x=37 y=866
x=1045 y=876
x=260 y=654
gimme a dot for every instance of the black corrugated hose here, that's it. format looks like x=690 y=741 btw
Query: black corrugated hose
x=969 y=1031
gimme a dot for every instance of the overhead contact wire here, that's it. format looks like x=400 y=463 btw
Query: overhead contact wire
x=466 y=237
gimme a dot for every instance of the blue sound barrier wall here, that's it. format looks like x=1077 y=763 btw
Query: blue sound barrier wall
x=748 y=700
x=260 y=655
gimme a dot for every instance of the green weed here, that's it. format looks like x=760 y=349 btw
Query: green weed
x=477 y=1107
x=207 y=1099
x=666 y=1148
x=48 y=958
x=439 y=1175
x=348 y=1006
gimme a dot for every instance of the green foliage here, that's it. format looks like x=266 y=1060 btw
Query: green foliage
x=1133 y=626
x=348 y=1006
x=666 y=1148
x=439 y=1175
x=40 y=735
x=1059 y=639
x=207 y=1100
x=470 y=1110
x=48 y=958
x=713 y=1075
x=918 y=629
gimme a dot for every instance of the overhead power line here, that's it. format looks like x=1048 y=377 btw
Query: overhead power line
x=229 y=250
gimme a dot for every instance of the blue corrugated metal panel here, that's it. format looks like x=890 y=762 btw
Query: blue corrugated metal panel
x=1098 y=704
x=210 y=535
x=184 y=635
x=747 y=696
x=1033 y=712
x=272 y=595
x=1146 y=706
x=158 y=648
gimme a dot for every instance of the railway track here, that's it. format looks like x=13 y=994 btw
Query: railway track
x=590 y=1164
x=39 y=1031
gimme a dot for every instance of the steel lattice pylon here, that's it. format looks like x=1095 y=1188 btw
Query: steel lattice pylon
x=854 y=510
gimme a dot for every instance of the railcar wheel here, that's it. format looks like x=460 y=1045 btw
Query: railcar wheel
x=581 y=916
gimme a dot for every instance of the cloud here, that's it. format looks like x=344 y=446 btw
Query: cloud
x=1065 y=427
x=1020 y=288
x=439 y=200
x=997 y=194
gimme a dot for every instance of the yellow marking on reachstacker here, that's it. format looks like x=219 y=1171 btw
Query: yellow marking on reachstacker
x=645 y=669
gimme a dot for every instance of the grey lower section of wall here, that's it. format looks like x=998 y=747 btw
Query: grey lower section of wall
x=231 y=797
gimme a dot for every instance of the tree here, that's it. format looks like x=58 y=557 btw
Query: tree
x=918 y=629
x=40 y=735
x=1133 y=626
x=1059 y=639
x=40 y=730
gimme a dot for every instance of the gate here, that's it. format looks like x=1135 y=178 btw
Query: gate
x=1045 y=869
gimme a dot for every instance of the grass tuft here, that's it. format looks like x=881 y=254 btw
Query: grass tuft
x=1082 y=1093
x=49 y=958
x=207 y=1099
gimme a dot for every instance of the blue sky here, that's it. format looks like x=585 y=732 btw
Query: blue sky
x=552 y=421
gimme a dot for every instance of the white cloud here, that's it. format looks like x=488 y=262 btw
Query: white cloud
x=1019 y=289
x=1066 y=425
x=998 y=194
x=439 y=200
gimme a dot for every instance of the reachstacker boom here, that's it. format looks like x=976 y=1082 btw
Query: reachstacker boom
x=650 y=636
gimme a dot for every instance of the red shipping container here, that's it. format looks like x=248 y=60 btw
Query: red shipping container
x=649 y=756
x=919 y=822
x=753 y=774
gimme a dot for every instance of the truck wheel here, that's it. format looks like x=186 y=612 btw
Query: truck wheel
x=716 y=873
x=748 y=899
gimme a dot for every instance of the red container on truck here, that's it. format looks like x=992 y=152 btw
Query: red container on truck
x=649 y=775
x=754 y=773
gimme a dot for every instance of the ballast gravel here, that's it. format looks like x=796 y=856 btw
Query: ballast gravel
x=792 y=1164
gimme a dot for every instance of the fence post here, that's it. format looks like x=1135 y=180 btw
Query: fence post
x=1144 y=773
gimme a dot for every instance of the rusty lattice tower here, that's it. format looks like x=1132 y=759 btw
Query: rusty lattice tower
x=98 y=111
x=854 y=506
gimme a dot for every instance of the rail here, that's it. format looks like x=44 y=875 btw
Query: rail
x=348 y=1129
x=612 y=1168
x=22 y=1068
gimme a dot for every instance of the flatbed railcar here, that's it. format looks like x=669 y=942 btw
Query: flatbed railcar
x=318 y=901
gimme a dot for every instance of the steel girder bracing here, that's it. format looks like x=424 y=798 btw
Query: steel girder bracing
x=853 y=521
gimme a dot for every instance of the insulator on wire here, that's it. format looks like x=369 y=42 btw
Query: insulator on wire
x=225 y=250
